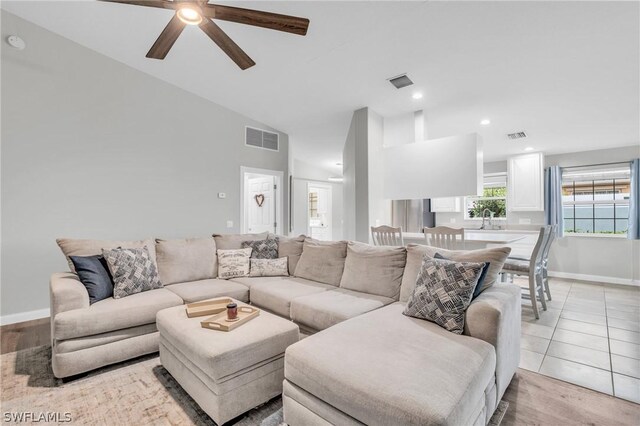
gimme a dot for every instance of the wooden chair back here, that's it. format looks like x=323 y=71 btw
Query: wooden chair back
x=387 y=236
x=445 y=237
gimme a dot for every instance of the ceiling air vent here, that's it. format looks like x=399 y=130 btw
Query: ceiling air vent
x=517 y=135
x=401 y=81
x=261 y=139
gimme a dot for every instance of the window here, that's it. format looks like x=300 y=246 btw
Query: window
x=494 y=198
x=595 y=199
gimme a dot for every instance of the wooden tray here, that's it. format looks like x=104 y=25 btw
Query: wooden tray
x=221 y=323
x=208 y=307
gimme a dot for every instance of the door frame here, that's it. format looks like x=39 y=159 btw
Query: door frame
x=325 y=185
x=279 y=200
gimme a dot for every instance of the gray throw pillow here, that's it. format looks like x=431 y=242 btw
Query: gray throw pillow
x=443 y=292
x=263 y=249
x=133 y=271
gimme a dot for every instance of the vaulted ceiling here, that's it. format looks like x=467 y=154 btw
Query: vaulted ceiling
x=564 y=72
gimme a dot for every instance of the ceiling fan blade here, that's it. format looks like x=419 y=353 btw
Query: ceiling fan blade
x=162 y=4
x=257 y=18
x=226 y=44
x=166 y=39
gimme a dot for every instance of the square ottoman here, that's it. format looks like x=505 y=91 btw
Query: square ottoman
x=226 y=373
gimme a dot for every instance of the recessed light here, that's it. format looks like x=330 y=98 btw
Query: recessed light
x=529 y=148
x=485 y=122
x=417 y=95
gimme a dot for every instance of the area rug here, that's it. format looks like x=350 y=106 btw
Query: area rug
x=135 y=392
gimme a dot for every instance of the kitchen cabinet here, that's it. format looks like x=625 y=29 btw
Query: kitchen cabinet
x=446 y=205
x=525 y=179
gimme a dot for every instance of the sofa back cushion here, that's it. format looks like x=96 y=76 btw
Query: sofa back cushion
x=322 y=261
x=77 y=247
x=189 y=259
x=374 y=270
x=416 y=253
x=291 y=247
x=234 y=241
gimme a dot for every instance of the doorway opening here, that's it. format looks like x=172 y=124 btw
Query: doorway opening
x=261 y=200
x=319 y=219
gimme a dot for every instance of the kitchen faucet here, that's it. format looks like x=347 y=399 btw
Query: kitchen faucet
x=484 y=216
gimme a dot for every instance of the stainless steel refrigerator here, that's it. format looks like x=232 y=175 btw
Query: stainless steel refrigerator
x=412 y=215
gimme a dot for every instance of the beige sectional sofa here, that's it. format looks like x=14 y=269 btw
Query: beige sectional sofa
x=365 y=362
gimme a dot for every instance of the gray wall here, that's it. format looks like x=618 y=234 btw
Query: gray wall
x=94 y=149
x=356 y=178
x=612 y=259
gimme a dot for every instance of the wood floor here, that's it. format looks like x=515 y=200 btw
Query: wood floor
x=533 y=399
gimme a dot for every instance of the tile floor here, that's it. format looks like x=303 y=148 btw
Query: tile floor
x=589 y=336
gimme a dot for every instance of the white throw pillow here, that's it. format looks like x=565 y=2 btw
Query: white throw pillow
x=234 y=263
x=269 y=267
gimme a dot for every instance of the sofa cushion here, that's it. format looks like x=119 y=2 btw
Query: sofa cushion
x=263 y=249
x=189 y=259
x=423 y=373
x=416 y=253
x=133 y=271
x=375 y=270
x=322 y=310
x=276 y=296
x=269 y=267
x=251 y=281
x=113 y=314
x=234 y=263
x=443 y=292
x=322 y=261
x=196 y=291
x=75 y=247
x=291 y=247
x=94 y=274
x=234 y=241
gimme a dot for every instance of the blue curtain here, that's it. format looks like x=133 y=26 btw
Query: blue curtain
x=634 y=202
x=553 y=198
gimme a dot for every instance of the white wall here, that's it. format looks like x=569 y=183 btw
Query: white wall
x=379 y=206
x=303 y=174
x=94 y=149
x=612 y=259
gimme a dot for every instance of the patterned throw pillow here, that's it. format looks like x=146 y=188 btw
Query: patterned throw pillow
x=133 y=271
x=443 y=292
x=269 y=267
x=263 y=249
x=234 y=263
x=483 y=275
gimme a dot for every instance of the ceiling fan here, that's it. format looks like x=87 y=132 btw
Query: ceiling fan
x=201 y=13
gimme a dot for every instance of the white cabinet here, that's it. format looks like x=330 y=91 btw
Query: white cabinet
x=445 y=205
x=526 y=183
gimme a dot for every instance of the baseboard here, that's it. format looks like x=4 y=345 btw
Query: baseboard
x=24 y=316
x=595 y=278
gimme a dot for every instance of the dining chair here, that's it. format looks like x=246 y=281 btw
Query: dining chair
x=387 y=236
x=445 y=237
x=533 y=268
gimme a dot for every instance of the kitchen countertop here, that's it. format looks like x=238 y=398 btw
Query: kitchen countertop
x=478 y=236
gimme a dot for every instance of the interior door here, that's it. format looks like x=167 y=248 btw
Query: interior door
x=261 y=207
x=320 y=212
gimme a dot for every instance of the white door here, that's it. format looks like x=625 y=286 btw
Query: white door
x=261 y=206
x=320 y=211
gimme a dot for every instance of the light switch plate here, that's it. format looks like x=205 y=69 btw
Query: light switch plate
x=524 y=221
x=222 y=195
x=452 y=220
x=229 y=224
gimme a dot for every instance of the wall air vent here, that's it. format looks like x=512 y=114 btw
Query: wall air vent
x=517 y=135
x=401 y=81
x=258 y=138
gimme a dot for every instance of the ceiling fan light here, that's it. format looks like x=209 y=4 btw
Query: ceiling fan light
x=189 y=15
